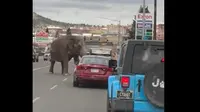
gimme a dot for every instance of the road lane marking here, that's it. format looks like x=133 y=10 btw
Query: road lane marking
x=65 y=79
x=53 y=87
x=37 y=98
x=40 y=68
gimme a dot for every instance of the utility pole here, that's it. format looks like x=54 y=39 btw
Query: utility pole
x=155 y=19
x=134 y=27
x=143 y=30
x=119 y=25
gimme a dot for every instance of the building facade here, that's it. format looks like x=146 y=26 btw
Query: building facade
x=160 y=32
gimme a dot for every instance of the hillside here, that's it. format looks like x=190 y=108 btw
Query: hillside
x=40 y=21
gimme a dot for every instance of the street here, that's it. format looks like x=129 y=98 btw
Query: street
x=55 y=93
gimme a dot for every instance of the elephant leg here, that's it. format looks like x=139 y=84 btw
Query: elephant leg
x=76 y=60
x=52 y=66
x=65 y=63
x=69 y=58
x=62 y=66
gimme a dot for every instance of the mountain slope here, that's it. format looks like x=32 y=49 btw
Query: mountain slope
x=40 y=21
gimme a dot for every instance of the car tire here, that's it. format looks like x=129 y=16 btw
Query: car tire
x=37 y=60
x=75 y=83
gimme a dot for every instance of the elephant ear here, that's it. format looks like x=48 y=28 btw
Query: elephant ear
x=79 y=45
x=70 y=41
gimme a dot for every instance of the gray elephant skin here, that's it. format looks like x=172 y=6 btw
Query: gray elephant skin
x=63 y=49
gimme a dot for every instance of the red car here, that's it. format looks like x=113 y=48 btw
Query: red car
x=92 y=68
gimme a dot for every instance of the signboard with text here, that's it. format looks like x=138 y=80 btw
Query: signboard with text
x=148 y=26
x=42 y=37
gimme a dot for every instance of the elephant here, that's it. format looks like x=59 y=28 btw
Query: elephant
x=63 y=49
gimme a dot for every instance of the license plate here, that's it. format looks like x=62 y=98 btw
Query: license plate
x=94 y=70
x=125 y=94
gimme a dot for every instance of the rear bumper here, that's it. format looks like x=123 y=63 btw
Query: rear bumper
x=92 y=78
x=121 y=105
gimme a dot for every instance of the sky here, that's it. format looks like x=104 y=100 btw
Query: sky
x=90 y=11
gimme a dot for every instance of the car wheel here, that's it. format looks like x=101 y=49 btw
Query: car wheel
x=37 y=60
x=75 y=82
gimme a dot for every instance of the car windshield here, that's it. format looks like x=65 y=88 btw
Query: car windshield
x=95 y=60
x=145 y=59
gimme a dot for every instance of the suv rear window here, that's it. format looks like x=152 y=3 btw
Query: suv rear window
x=146 y=58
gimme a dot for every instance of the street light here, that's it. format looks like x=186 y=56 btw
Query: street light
x=119 y=25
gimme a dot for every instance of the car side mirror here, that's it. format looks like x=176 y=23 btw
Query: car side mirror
x=114 y=71
x=113 y=64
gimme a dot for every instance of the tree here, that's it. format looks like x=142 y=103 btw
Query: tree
x=132 y=31
x=47 y=30
x=133 y=27
x=146 y=10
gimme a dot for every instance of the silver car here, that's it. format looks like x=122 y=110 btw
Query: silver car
x=46 y=56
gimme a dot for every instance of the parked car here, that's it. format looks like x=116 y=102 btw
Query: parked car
x=138 y=85
x=92 y=69
x=46 y=56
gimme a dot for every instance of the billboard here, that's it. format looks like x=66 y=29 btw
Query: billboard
x=42 y=37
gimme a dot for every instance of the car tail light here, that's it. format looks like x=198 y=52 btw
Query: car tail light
x=79 y=67
x=163 y=60
x=125 y=81
x=110 y=69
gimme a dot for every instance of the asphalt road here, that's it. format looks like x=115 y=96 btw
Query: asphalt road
x=55 y=93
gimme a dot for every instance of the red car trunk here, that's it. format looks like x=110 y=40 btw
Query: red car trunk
x=93 y=69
